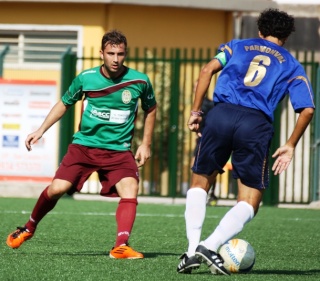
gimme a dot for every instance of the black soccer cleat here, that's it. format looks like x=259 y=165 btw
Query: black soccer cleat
x=212 y=259
x=187 y=264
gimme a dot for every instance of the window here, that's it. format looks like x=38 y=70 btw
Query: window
x=306 y=37
x=40 y=46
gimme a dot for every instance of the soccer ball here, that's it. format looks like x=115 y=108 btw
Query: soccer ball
x=238 y=256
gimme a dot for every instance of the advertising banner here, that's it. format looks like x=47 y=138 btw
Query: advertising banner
x=23 y=107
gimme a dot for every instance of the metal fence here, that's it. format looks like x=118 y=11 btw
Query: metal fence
x=173 y=74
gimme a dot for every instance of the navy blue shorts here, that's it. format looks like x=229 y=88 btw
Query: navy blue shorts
x=239 y=131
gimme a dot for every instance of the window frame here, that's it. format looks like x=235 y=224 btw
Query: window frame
x=21 y=64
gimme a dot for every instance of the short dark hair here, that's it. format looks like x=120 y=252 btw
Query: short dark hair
x=273 y=22
x=113 y=37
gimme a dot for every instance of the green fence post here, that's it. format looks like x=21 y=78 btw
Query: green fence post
x=271 y=194
x=316 y=143
x=68 y=72
x=2 y=55
x=174 y=125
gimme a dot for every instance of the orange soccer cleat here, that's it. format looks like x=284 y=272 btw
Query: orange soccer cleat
x=16 y=238
x=124 y=252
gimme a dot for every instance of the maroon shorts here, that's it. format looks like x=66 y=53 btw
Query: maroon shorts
x=112 y=166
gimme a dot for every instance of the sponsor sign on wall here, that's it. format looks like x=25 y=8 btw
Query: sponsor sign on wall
x=23 y=107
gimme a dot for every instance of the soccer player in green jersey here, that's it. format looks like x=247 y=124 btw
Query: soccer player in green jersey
x=110 y=95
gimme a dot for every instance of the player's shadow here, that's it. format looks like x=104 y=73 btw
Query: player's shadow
x=85 y=253
x=147 y=255
x=154 y=255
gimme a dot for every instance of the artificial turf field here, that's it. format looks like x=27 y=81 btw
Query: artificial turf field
x=72 y=242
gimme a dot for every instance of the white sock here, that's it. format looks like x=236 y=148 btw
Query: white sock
x=230 y=225
x=194 y=216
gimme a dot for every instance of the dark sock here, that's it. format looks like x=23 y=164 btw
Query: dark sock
x=125 y=216
x=43 y=206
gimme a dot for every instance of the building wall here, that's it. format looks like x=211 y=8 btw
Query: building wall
x=144 y=26
x=171 y=27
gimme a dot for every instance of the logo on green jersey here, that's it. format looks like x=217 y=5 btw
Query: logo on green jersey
x=126 y=96
x=110 y=115
x=102 y=114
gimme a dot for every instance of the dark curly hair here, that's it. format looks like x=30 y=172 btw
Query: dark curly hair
x=273 y=22
x=113 y=37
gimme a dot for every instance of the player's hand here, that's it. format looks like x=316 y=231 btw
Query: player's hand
x=142 y=155
x=194 y=124
x=32 y=139
x=283 y=155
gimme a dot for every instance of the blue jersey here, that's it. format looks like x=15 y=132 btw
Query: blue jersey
x=259 y=74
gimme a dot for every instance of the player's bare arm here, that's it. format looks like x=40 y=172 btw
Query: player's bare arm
x=58 y=110
x=204 y=81
x=144 y=150
x=284 y=154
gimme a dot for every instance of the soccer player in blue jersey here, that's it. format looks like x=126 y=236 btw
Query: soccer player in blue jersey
x=256 y=75
x=110 y=94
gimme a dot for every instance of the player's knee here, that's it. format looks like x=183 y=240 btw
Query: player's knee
x=127 y=187
x=57 y=189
